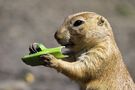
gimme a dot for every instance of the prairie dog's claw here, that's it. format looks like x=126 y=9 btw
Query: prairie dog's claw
x=33 y=48
x=47 y=59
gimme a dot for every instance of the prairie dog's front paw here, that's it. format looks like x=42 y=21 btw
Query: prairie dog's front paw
x=49 y=60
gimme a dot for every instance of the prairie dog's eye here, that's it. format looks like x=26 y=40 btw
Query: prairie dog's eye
x=78 y=23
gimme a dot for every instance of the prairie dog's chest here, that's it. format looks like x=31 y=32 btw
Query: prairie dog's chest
x=82 y=55
x=77 y=56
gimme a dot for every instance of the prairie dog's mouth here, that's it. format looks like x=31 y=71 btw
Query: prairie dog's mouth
x=68 y=47
x=67 y=44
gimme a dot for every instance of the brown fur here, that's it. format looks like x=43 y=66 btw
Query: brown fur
x=98 y=64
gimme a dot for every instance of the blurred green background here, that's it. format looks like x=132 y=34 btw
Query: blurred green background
x=23 y=22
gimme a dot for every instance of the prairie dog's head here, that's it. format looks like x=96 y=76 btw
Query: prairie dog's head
x=83 y=30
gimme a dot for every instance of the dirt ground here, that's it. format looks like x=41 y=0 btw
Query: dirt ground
x=23 y=22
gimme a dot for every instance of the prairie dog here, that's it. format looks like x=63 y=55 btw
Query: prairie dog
x=98 y=64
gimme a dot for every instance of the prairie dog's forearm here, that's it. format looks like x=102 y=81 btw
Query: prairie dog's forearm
x=79 y=69
x=74 y=70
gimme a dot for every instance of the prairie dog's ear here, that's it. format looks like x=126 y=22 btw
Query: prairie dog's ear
x=101 y=21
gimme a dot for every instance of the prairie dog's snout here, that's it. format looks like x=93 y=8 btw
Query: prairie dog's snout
x=60 y=38
x=63 y=37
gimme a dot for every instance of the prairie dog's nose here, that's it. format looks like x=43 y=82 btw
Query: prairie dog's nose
x=60 y=34
x=57 y=36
